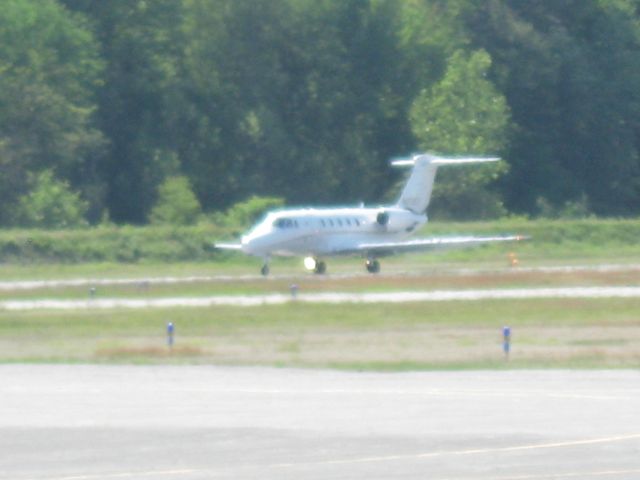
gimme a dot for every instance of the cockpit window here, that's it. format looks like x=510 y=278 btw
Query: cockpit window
x=286 y=223
x=283 y=223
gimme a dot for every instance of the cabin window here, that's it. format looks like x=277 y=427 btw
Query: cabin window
x=331 y=223
x=322 y=222
x=348 y=222
x=339 y=222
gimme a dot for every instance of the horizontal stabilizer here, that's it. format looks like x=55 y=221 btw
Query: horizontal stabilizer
x=409 y=162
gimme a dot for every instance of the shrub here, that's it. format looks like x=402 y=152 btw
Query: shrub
x=177 y=204
x=51 y=204
x=244 y=214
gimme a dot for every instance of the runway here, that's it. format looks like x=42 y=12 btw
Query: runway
x=325 y=297
x=143 y=282
x=204 y=422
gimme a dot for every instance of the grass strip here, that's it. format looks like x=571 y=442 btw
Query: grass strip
x=585 y=333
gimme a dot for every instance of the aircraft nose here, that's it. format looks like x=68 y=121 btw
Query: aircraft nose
x=253 y=244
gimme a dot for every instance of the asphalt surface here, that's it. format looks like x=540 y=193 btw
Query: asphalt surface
x=327 y=297
x=145 y=282
x=201 y=422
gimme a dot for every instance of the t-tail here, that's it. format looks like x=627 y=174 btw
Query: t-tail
x=417 y=191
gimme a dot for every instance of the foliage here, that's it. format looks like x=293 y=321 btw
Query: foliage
x=552 y=240
x=49 y=71
x=110 y=244
x=244 y=214
x=51 y=204
x=300 y=99
x=463 y=113
x=570 y=72
x=308 y=100
x=177 y=204
x=570 y=210
x=140 y=43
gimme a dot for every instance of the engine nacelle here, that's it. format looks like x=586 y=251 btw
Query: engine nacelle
x=382 y=218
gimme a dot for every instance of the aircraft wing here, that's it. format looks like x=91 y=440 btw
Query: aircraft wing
x=434 y=243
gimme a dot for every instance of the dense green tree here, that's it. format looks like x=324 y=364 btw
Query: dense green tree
x=307 y=100
x=464 y=114
x=570 y=72
x=141 y=43
x=295 y=98
x=49 y=70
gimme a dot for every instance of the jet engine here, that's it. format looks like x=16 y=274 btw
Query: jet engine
x=382 y=218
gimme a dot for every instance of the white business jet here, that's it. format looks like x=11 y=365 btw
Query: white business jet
x=372 y=232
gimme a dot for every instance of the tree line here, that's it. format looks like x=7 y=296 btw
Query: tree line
x=109 y=107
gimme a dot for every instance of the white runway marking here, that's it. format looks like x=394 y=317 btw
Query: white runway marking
x=98 y=282
x=332 y=298
x=478 y=451
x=388 y=458
x=552 y=476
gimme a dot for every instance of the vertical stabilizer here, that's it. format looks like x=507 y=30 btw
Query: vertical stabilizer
x=417 y=191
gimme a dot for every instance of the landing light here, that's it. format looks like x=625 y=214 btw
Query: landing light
x=309 y=263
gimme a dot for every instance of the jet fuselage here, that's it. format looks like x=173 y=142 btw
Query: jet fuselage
x=328 y=231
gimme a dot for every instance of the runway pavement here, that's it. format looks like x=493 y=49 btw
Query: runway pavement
x=326 y=297
x=145 y=282
x=203 y=422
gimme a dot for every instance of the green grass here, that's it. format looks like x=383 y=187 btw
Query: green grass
x=596 y=333
x=398 y=276
x=446 y=335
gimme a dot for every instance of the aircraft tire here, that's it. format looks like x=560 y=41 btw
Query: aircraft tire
x=264 y=270
x=373 y=266
x=321 y=268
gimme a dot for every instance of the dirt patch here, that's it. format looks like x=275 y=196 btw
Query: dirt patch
x=507 y=278
x=436 y=346
x=148 y=352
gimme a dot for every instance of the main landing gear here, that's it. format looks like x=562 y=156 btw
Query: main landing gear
x=373 y=265
x=314 y=265
x=320 y=268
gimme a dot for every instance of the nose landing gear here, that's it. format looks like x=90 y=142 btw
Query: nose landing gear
x=373 y=265
x=265 y=268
